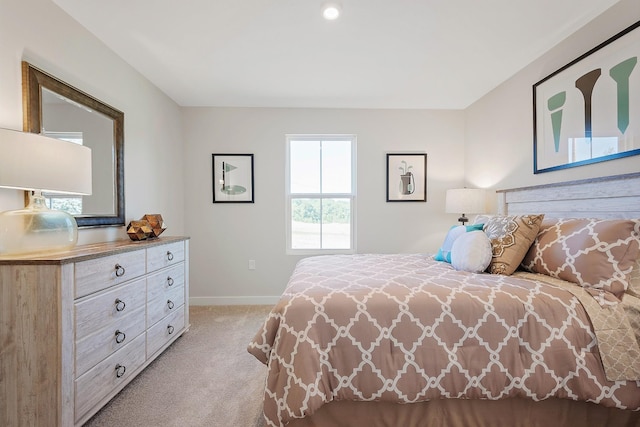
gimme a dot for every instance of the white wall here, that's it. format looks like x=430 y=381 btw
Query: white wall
x=488 y=145
x=39 y=32
x=224 y=237
x=160 y=179
x=499 y=127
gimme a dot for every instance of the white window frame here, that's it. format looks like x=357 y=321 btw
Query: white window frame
x=289 y=197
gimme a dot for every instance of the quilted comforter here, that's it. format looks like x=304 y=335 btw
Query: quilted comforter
x=405 y=328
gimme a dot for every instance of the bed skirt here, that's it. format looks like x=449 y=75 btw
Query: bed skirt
x=515 y=412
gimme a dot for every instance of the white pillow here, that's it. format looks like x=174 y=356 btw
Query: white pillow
x=471 y=252
x=444 y=253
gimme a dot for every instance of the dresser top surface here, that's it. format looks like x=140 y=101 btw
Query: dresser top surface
x=90 y=251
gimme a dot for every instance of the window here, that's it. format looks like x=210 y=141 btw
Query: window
x=321 y=191
x=70 y=204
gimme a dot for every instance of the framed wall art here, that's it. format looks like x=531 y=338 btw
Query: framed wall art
x=589 y=110
x=232 y=178
x=406 y=177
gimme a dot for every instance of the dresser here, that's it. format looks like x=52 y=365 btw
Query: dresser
x=76 y=327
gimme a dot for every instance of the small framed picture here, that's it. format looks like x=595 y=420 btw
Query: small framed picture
x=232 y=178
x=407 y=177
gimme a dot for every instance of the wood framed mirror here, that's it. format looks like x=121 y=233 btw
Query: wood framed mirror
x=59 y=110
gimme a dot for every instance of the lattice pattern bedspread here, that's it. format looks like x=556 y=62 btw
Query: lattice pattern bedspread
x=404 y=328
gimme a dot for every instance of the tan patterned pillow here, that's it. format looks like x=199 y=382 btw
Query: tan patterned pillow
x=590 y=252
x=511 y=236
x=634 y=280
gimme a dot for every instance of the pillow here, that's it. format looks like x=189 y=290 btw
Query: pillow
x=471 y=252
x=444 y=253
x=511 y=236
x=590 y=252
x=634 y=280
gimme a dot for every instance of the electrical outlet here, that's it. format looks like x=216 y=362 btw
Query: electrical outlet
x=252 y=264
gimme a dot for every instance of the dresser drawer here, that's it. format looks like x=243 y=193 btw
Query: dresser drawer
x=105 y=308
x=164 y=331
x=104 y=341
x=165 y=280
x=108 y=375
x=164 y=255
x=161 y=302
x=100 y=273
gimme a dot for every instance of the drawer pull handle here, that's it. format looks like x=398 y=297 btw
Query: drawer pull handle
x=120 y=336
x=170 y=329
x=119 y=270
x=169 y=256
x=120 y=370
x=170 y=281
x=170 y=304
x=120 y=305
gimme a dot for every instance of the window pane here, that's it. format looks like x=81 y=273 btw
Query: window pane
x=305 y=223
x=336 y=167
x=336 y=223
x=305 y=166
x=71 y=205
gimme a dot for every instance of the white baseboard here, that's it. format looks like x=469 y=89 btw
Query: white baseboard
x=265 y=300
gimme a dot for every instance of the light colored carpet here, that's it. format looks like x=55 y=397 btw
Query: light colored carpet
x=205 y=378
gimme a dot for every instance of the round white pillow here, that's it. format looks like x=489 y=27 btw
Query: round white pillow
x=471 y=252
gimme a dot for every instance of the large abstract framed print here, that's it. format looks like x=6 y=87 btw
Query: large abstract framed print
x=589 y=110
x=232 y=178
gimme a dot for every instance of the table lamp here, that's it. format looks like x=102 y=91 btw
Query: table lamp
x=465 y=201
x=36 y=163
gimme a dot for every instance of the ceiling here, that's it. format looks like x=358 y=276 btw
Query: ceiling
x=378 y=54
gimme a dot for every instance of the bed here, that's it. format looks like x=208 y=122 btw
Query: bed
x=548 y=336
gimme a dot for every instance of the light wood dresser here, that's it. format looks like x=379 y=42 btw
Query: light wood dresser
x=77 y=326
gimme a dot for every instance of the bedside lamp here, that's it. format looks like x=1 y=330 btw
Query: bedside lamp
x=36 y=163
x=465 y=200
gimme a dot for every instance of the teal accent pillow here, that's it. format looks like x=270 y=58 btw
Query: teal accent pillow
x=444 y=253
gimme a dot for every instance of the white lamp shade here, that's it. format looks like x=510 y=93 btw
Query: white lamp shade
x=465 y=200
x=30 y=161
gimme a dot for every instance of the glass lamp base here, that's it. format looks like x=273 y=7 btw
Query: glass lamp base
x=36 y=228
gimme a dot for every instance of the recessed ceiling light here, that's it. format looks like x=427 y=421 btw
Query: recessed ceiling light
x=331 y=11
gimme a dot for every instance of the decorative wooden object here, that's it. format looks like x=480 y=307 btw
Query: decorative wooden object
x=157 y=224
x=139 y=230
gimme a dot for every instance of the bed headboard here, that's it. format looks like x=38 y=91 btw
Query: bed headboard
x=607 y=197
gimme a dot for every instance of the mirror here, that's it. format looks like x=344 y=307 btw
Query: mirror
x=58 y=110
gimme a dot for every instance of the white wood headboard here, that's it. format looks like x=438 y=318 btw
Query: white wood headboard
x=607 y=197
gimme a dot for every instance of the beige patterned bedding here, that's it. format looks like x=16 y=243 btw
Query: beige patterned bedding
x=404 y=328
x=612 y=324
